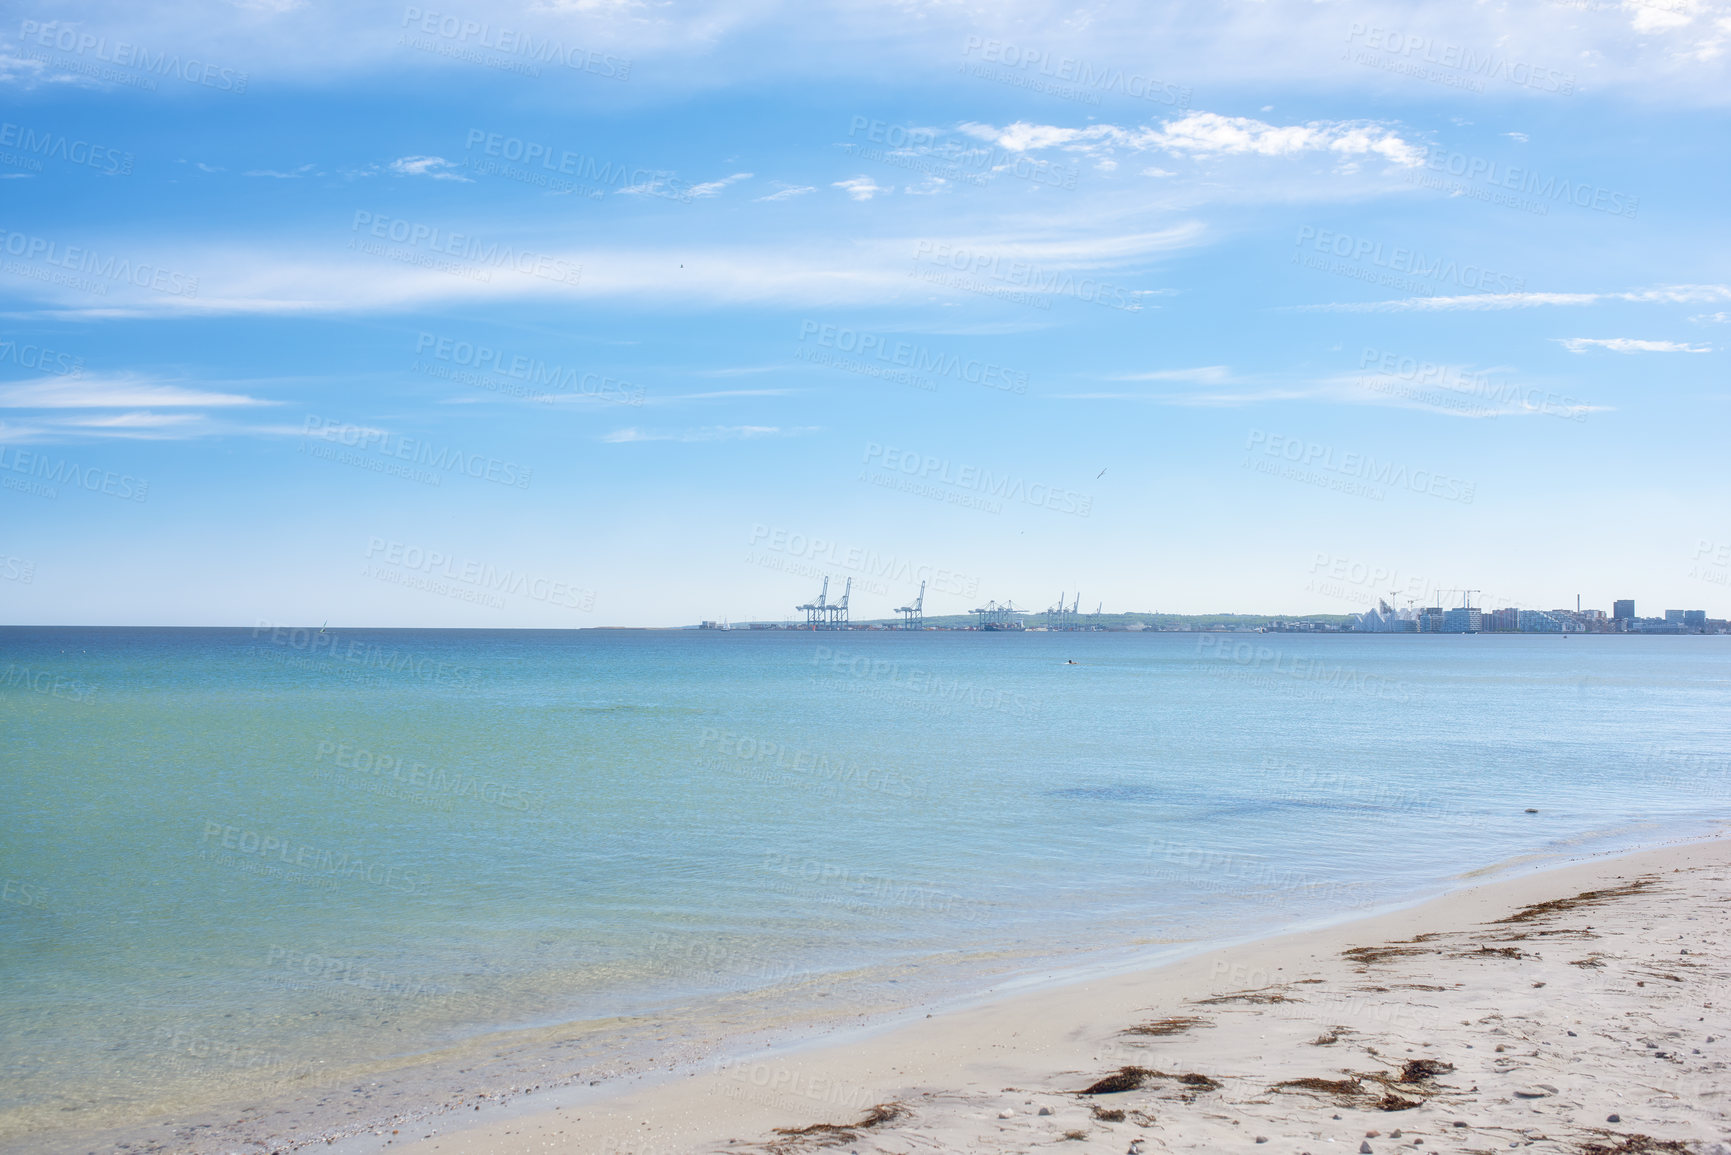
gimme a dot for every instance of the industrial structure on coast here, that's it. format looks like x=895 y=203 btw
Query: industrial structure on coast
x=1066 y=615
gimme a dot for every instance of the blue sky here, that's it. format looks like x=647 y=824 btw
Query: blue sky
x=581 y=314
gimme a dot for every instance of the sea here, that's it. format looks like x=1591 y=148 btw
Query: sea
x=260 y=865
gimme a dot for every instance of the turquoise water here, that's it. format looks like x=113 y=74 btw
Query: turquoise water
x=240 y=862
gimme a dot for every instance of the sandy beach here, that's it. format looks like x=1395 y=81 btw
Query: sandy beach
x=1579 y=1009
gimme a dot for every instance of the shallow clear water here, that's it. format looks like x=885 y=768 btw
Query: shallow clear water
x=235 y=859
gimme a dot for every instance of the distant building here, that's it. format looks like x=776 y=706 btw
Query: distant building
x=1695 y=619
x=1623 y=610
x=1430 y=620
x=1385 y=619
x=1675 y=616
x=1465 y=620
x=1539 y=622
x=1503 y=621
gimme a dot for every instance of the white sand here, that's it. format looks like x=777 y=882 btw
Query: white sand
x=1542 y=1027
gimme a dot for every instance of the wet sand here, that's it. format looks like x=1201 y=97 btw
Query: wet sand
x=1583 y=1009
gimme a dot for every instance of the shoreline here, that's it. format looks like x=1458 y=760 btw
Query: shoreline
x=409 y=1099
x=835 y=1080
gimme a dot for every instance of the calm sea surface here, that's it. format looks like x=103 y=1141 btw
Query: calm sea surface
x=242 y=862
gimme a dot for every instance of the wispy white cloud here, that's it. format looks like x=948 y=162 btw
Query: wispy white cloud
x=1209 y=134
x=1479 y=302
x=296 y=174
x=436 y=167
x=861 y=188
x=714 y=187
x=789 y=192
x=1201 y=375
x=115 y=393
x=1628 y=345
x=709 y=433
x=1447 y=390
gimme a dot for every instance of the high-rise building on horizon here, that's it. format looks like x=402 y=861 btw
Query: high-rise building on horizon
x=1623 y=610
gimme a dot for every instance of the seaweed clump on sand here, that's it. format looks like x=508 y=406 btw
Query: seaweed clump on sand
x=832 y=1134
x=1366 y=956
x=1124 y=1079
x=1585 y=898
x=1261 y=996
x=1160 y=1028
x=1345 y=1087
x=1636 y=1145
x=1422 y=1070
x=1133 y=1078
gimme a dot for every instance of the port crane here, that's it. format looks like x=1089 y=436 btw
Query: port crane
x=914 y=616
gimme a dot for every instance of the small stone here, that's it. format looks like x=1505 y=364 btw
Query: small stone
x=1572 y=1035
x=1458 y=1123
x=1394 y=1134
x=1337 y=1116
x=1532 y=1093
x=1613 y=1118
x=1045 y=1110
x=1006 y=1113
x=1530 y=810
x=1262 y=1138
x=1364 y=1148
